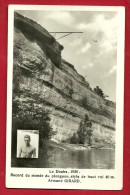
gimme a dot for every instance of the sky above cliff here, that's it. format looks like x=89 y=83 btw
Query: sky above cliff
x=93 y=52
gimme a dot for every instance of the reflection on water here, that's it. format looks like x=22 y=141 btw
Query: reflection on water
x=81 y=159
x=92 y=159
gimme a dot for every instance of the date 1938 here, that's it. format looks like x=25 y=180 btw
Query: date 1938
x=74 y=171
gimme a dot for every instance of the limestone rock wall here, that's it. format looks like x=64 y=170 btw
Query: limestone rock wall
x=60 y=88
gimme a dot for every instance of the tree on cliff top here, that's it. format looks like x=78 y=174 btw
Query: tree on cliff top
x=99 y=91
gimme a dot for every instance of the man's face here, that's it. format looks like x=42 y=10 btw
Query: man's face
x=27 y=141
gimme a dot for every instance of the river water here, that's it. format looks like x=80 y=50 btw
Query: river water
x=79 y=159
x=82 y=159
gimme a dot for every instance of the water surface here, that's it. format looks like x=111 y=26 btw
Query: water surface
x=82 y=159
x=79 y=159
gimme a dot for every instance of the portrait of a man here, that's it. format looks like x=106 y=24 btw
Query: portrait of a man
x=27 y=150
x=27 y=145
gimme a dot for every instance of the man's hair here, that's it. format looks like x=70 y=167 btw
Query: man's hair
x=27 y=136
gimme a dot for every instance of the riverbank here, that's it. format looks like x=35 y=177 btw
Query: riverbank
x=67 y=146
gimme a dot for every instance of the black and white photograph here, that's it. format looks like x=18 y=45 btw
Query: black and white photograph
x=27 y=143
x=67 y=76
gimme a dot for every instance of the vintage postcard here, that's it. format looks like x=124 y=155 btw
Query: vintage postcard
x=65 y=97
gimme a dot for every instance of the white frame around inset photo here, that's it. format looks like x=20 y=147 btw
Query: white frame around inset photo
x=34 y=141
x=99 y=179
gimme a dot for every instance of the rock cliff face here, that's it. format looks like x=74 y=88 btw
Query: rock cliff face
x=54 y=85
